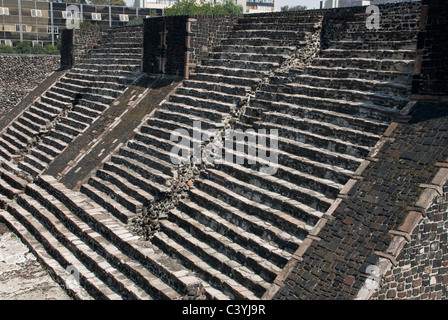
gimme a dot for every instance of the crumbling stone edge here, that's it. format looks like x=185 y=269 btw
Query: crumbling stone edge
x=400 y=237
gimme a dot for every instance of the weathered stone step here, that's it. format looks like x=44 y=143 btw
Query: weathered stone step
x=104 y=200
x=357 y=73
x=153 y=151
x=107 y=67
x=218 y=262
x=35 y=162
x=270 y=34
x=12 y=141
x=100 y=78
x=241 y=64
x=317 y=140
x=12 y=179
x=381 y=35
x=9 y=149
x=270 y=50
x=48 y=149
x=225 y=284
x=94 y=85
x=6 y=154
x=144 y=254
x=230 y=80
x=377 y=54
x=285 y=25
x=114 y=51
x=159 y=143
x=261 y=41
x=234 y=72
x=44 y=113
x=29 y=168
x=20 y=136
x=222 y=244
x=66 y=131
x=64 y=240
x=232 y=90
x=132 y=156
x=54 y=140
x=359 y=109
x=29 y=123
x=185 y=118
x=218 y=213
x=205 y=107
x=373 y=86
x=340 y=119
x=41 y=155
x=56 y=270
x=374 y=45
x=8 y=190
x=84 y=112
x=104 y=249
x=249 y=57
x=95 y=94
x=405 y=66
x=120 y=190
x=280 y=220
x=110 y=73
x=389 y=23
x=147 y=179
x=316 y=192
x=40 y=121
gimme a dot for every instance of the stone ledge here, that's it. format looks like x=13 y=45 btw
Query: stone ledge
x=388 y=256
x=410 y=222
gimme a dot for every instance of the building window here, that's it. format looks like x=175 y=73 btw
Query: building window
x=51 y=30
x=4 y=11
x=71 y=15
x=37 y=43
x=8 y=43
x=24 y=28
x=36 y=13
x=124 y=17
x=96 y=16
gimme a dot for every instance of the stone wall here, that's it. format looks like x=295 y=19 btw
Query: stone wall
x=422 y=269
x=205 y=32
x=20 y=74
x=431 y=76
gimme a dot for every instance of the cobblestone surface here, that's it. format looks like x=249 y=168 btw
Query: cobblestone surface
x=21 y=275
x=335 y=266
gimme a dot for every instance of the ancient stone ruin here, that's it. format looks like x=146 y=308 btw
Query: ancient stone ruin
x=356 y=207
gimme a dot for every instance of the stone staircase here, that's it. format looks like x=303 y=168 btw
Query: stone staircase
x=232 y=228
x=73 y=103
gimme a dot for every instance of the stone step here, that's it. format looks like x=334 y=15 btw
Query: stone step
x=48 y=149
x=100 y=95
x=249 y=57
x=35 y=118
x=240 y=64
x=261 y=42
x=84 y=112
x=29 y=168
x=35 y=162
x=357 y=73
x=373 y=45
x=267 y=195
x=261 y=234
x=404 y=66
x=99 y=52
x=154 y=179
x=44 y=112
x=8 y=149
x=93 y=84
x=212 y=110
x=8 y=190
x=144 y=254
x=386 y=100
x=276 y=25
x=393 y=23
x=223 y=245
x=104 y=200
x=117 y=194
x=56 y=270
x=20 y=136
x=60 y=241
x=340 y=119
x=106 y=68
x=12 y=141
x=66 y=131
x=332 y=144
x=237 y=280
x=269 y=50
x=5 y=153
x=381 y=35
x=233 y=90
x=213 y=195
x=132 y=156
x=229 y=80
x=372 y=86
x=150 y=150
x=269 y=34
x=358 y=109
x=42 y=155
x=130 y=74
x=112 y=60
x=256 y=242
x=223 y=102
x=185 y=118
x=150 y=181
x=54 y=141
x=377 y=54
x=100 y=78
x=234 y=72
x=60 y=216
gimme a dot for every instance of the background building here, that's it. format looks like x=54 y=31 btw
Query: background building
x=42 y=22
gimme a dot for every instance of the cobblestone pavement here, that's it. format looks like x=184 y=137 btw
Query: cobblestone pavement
x=21 y=275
